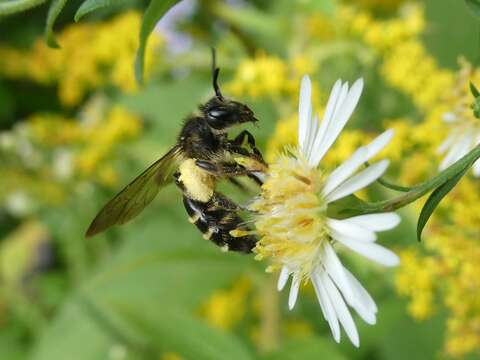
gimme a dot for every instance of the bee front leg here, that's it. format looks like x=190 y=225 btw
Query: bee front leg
x=236 y=145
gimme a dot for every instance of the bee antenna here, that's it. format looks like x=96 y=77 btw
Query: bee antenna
x=215 y=73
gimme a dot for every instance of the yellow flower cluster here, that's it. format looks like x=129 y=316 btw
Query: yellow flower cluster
x=85 y=61
x=412 y=70
x=383 y=35
x=417 y=280
x=450 y=267
x=269 y=76
x=100 y=137
x=226 y=308
x=171 y=356
x=453 y=258
x=406 y=65
x=88 y=142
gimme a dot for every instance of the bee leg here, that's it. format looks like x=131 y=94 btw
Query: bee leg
x=238 y=184
x=256 y=177
x=220 y=201
x=216 y=218
x=223 y=169
x=240 y=138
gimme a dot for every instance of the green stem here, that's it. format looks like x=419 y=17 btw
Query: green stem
x=419 y=190
x=12 y=7
x=270 y=316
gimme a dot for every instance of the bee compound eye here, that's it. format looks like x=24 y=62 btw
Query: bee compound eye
x=218 y=113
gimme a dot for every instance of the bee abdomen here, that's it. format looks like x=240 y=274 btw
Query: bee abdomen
x=216 y=224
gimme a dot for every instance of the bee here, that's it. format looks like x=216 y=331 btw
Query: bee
x=202 y=156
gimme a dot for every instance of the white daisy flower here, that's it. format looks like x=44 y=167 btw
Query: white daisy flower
x=296 y=234
x=464 y=136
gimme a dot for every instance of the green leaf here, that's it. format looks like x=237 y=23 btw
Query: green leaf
x=393 y=186
x=55 y=9
x=434 y=199
x=155 y=10
x=474 y=6
x=91 y=5
x=16 y=6
x=474 y=90
x=164 y=272
x=171 y=329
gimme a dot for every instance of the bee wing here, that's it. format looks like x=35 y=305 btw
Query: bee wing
x=129 y=202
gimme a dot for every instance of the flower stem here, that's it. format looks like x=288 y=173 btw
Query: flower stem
x=270 y=317
x=426 y=187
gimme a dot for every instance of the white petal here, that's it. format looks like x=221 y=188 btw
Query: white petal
x=458 y=150
x=379 y=143
x=341 y=310
x=343 y=111
x=449 y=117
x=335 y=270
x=341 y=173
x=326 y=305
x=376 y=222
x=362 y=294
x=311 y=138
x=371 y=251
x=446 y=144
x=362 y=304
x=304 y=110
x=292 y=298
x=330 y=108
x=345 y=229
x=476 y=168
x=283 y=278
x=359 y=157
x=359 y=181
x=336 y=99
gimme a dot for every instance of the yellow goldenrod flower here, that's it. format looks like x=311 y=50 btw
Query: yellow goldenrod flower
x=261 y=76
x=85 y=62
x=298 y=237
x=409 y=68
x=225 y=308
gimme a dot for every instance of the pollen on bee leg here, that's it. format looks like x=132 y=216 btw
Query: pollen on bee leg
x=208 y=234
x=193 y=219
x=240 y=232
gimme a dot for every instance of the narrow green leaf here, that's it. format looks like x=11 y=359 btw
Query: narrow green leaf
x=16 y=6
x=155 y=10
x=474 y=90
x=434 y=199
x=91 y=5
x=55 y=9
x=392 y=186
x=474 y=6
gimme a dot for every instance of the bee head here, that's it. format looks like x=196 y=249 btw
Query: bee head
x=221 y=113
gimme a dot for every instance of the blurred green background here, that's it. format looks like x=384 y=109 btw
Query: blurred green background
x=75 y=128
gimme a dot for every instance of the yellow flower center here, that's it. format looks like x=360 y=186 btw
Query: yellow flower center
x=290 y=219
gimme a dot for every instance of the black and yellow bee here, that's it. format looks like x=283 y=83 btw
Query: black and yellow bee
x=203 y=155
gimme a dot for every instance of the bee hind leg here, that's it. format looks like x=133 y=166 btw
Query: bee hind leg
x=216 y=219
